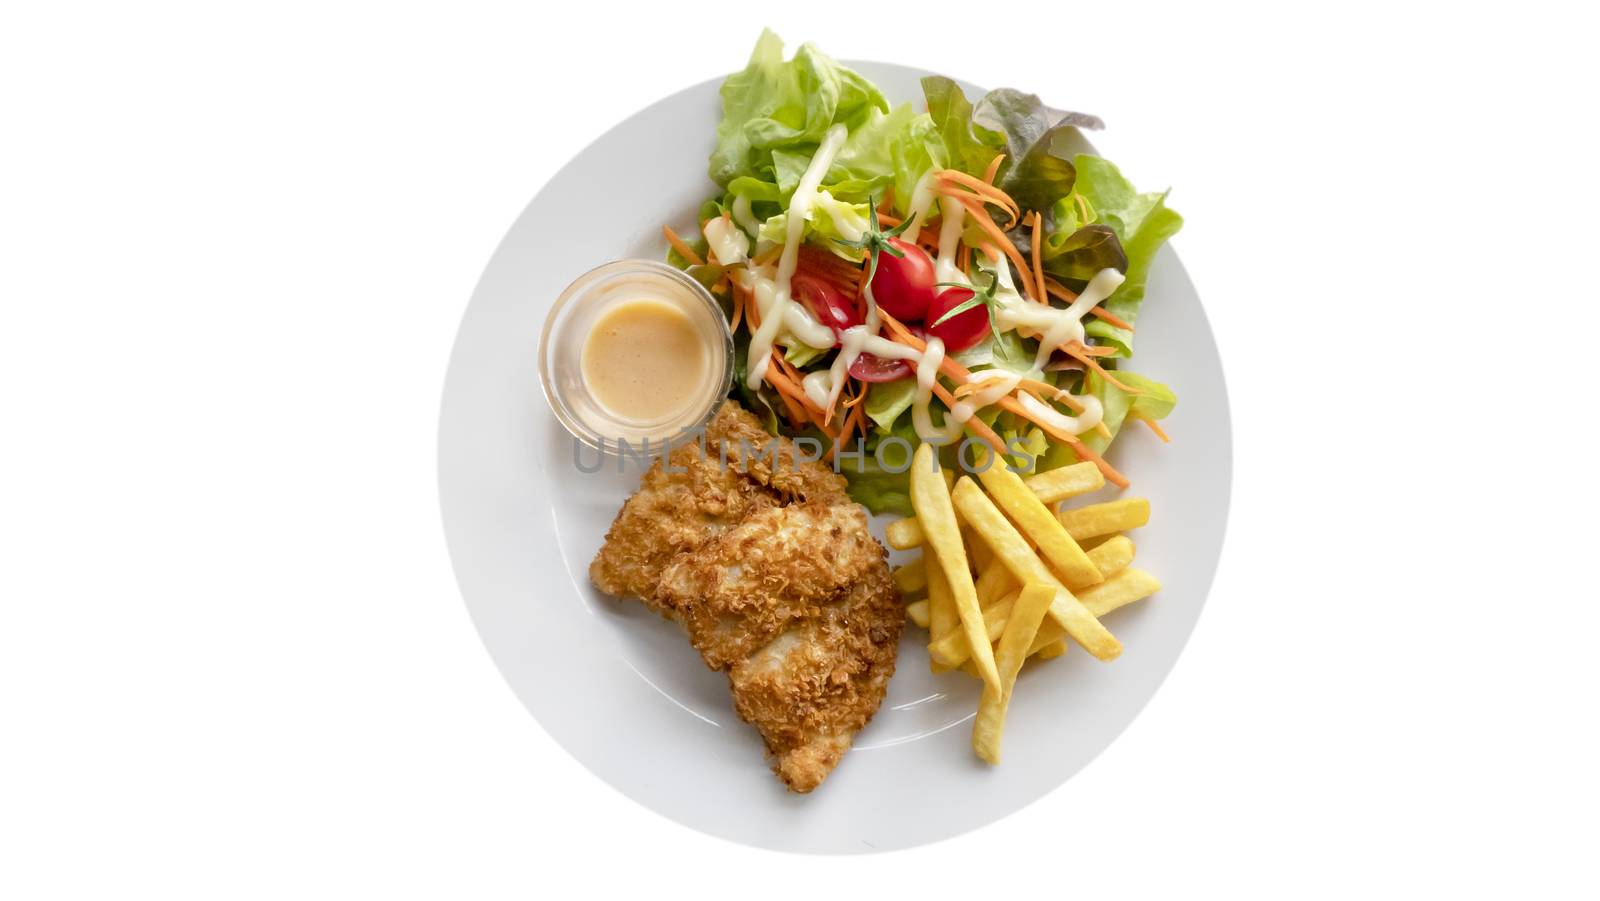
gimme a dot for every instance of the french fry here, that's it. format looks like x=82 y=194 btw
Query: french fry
x=952 y=649
x=917 y=612
x=1111 y=555
x=1102 y=519
x=1067 y=482
x=1025 y=509
x=942 y=617
x=936 y=512
x=1051 y=487
x=1032 y=604
x=994 y=582
x=911 y=578
x=1118 y=591
x=904 y=534
x=1012 y=549
x=1054 y=649
x=977 y=554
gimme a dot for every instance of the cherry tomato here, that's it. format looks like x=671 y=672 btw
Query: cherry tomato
x=965 y=328
x=904 y=286
x=825 y=302
x=873 y=368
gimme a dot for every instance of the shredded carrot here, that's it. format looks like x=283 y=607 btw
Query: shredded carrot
x=683 y=249
x=1097 y=350
x=1038 y=259
x=994 y=168
x=860 y=396
x=1061 y=291
x=768 y=255
x=886 y=202
x=1151 y=424
x=954 y=179
x=793 y=410
x=1076 y=351
x=889 y=219
x=786 y=387
x=1112 y=318
x=738 y=310
x=1048 y=393
x=964 y=258
x=980 y=215
x=752 y=312
x=788 y=368
x=852 y=424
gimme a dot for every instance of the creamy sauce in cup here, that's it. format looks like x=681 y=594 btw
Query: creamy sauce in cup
x=644 y=360
x=634 y=353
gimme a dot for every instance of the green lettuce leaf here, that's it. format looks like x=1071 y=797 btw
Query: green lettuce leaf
x=969 y=146
x=802 y=355
x=915 y=150
x=1076 y=256
x=821 y=225
x=1142 y=222
x=887 y=400
x=1154 y=401
x=788 y=105
x=872 y=485
x=878 y=489
x=1040 y=144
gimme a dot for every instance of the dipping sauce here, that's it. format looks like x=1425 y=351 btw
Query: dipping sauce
x=645 y=361
x=633 y=354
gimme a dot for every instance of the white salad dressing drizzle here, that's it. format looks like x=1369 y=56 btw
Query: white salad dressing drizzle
x=743 y=216
x=817 y=387
x=1093 y=412
x=927 y=373
x=944 y=268
x=852 y=343
x=730 y=245
x=921 y=201
x=1054 y=326
x=798 y=323
x=778 y=312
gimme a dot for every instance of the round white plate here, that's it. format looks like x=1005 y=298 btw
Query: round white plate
x=623 y=691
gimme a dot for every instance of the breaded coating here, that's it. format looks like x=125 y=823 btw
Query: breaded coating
x=815 y=686
x=772 y=570
x=740 y=590
x=681 y=505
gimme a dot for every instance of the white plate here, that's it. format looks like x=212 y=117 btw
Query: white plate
x=624 y=692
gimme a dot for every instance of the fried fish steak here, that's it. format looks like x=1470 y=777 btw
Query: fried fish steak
x=797 y=605
x=691 y=496
x=773 y=572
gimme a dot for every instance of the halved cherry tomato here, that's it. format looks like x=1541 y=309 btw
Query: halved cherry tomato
x=873 y=368
x=825 y=302
x=962 y=330
x=904 y=286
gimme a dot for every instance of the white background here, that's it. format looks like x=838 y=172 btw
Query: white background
x=234 y=246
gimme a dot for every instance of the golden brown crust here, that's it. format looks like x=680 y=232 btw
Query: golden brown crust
x=681 y=505
x=774 y=573
x=741 y=589
x=816 y=685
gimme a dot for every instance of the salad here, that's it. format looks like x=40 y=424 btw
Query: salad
x=966 y=274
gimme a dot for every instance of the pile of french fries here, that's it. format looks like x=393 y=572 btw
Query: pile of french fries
x=1008 y=576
